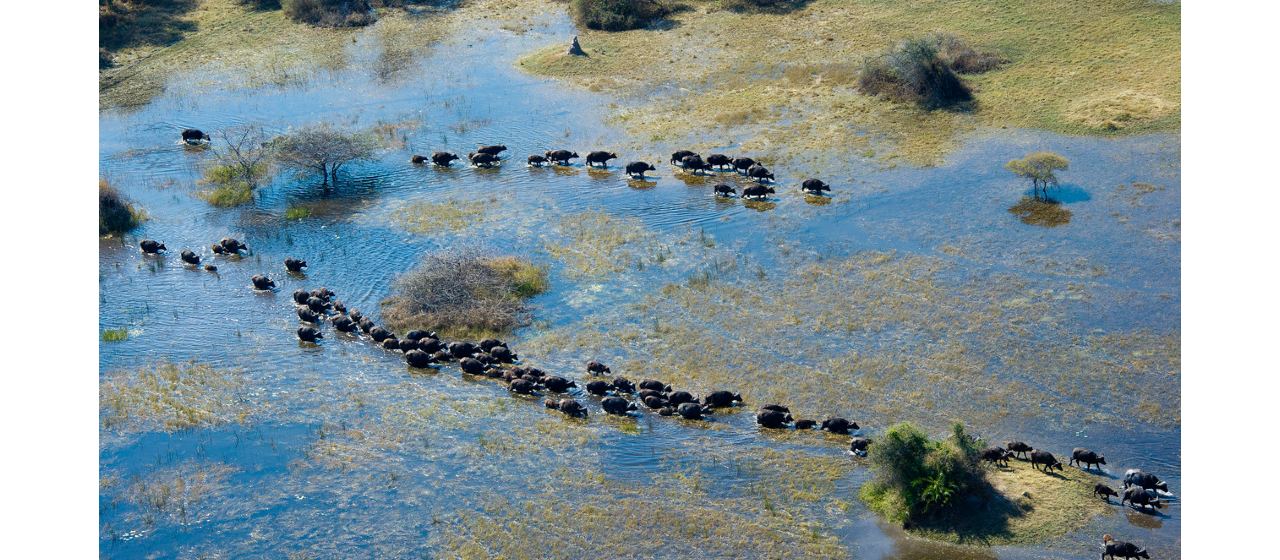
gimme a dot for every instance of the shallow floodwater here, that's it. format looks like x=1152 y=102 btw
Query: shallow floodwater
x=341 y=450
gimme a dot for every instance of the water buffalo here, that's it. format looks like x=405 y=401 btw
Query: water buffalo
x=859 y=444
x=692 y=411
x=491 y=343
x=637 y=169
x=342 y=323
x=1018 y=447
x=308 y=316
x=772 y=419
x=1135 y=477
x=561 y=157
x=323 y=293
x=443 y=158
x=1124 y=550
x=1140 y=497
x=1105 y=491
x=623 y=384
x=309 y=334
x=814 y=186
x=695 y=163
x=471 y=366
x=194 y=136
x=338 y=306
x=654 y=385
x=366 y=325
x=838 y=425
x=618 y=405
x=294 y=265
x=742 y=164
x=521 y=386
x=996 y=455
x=530 y=371
x=503 y=354
x=491 y=150
x=379 y=334
x=597 y=368
x=442 y=356
x=759 y=173
x=407 y=344
x=300 y=297
x=1042 y=457
x=356 y=315
x=417 y=334
x=721 y=399
x=189 y=257
x=418 y=160
x=217 y=249
x=654 y=402
x=680 y=397
x=316 y=304
x=667 y=411
x=536 y=160
x=722 y=189
x=806 y=424
x=567 y=406
x=600 y=388
x=557 y=384
x=646 y=393
x=261 y=282
x=417 y=358
x=152 y=246
x=232 y=246
x=430 y=345
x=720 y=161
x=482 y=160
x=391 y=343
x=678 y=157
x=1082 y=456
x=463 y=349
x=776 y=407
x=601 y=158
x=757 y=192
x=210 y=268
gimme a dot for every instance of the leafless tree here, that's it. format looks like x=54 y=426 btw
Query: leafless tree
x=244 y=151
x=322 y=149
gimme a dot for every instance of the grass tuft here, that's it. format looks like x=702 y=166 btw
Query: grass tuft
x=115 y=335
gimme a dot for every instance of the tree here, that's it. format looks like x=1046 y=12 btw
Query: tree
x=322 y=149
x=1038 y=167
x=242 y=154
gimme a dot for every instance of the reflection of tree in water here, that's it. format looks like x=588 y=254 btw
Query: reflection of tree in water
x=1035 y=212
x=760 y=205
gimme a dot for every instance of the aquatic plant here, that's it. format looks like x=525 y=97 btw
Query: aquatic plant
x=432 y=217
x=172 y=397
x=115 y=335
x=297 y=212
x=914 y=71
x=115 y=212
x=1038 y=167
x=464 y=292
x=913 y=475
x=322 y=149
x=232 y=194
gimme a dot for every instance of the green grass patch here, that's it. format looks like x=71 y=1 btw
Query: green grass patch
x=115 y=335
x=234 y=194
x=296 y=212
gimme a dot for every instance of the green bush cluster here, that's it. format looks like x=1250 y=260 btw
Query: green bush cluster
x=329 y=13
x=914 y=476
x=615 y=15
x=914 y=71
x=115 y=213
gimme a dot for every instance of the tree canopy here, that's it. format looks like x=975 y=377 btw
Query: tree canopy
x=1039 y=167
x=322 y=149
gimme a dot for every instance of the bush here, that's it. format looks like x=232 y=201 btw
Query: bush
x=464 y=293
x=914 y=71
x=914 y=476
x=762 y=6
x=231 y=194
x=616 y=15
x=329 y=13
x=115 y=213
x=962 y=57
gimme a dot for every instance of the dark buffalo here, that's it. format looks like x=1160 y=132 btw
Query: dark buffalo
x=721 y=399
x=678 y=157
x=654 y=385
x=442 y=356
x=806 y=424
x=623 y=384
x=557 y=384
x=503 y=354
x=301 y=296
x=742 y=164
x=859 y=444
x=757 y=192
x=618 y=405
x=694 y=163
x=379 y=334
x=343 y=323
x=1082 y=456
x=232 y=246
x=356 y=315
x=598 y=387
x=189 y=257
x=720 y=161
x=536 y=160
x=417 y=334
x=567 y=406
x=597 y=368
x=309 y=334
x=561 y=157
x=261 y=282
x=316 y=304
x=1042 y=457
x=491 y=150
x=471 y=366
x=759 y=173
x=772 y=419
x=995 y=454
x=152 y=246
x=692 y=411
x=308 y=316
x=491 y=343
x=722 y=189
x=1124 y=550
x=1135 y=477
x=217 y=249
x=391 y=343
x=838 y=425
x=294 y=265
x=646 y=393
x=680 y=397
x=323 y=293
x=210 y=268
x=814 y=186
x=484 y=358
x=463 y=349
x=637 y=169
x=366 y=325
x=430 y=345
x=667 y=411
x=601 y=158
x=417 y=358
x=418 y=160
x=776 y=407
x=443 y=158
x=522 y=386
x=654 y=402
x=1018 y=447
x=1140 y=497
x=407 y=344
x=482 y=160
x=338 y=306
x=1105 y=491
x=193 y=136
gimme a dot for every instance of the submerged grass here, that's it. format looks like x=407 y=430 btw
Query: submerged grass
x=449 y=215
x=227 y=195
x=171 y=396
x=115 y=335
x=595 y=244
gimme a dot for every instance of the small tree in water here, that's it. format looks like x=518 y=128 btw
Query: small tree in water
x=1038 y=167
x=322 y=149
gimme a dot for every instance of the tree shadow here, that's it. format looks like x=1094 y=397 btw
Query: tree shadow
x=981 y=518
x=1035 y=212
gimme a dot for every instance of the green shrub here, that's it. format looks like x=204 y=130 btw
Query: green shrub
x=329 y=13
x=914 y=71
x=115 y=213
x=115 y=335
x=915 y=476
x=297 y=212
x=231 y=194
x=616 y=15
